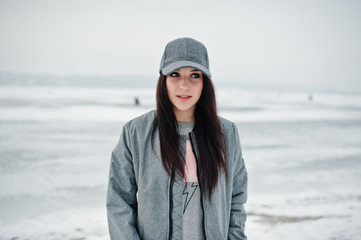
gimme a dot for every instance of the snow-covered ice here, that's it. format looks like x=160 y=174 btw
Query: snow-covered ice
x=303 y=156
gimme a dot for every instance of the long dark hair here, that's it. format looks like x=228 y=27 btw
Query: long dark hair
x=210 y=140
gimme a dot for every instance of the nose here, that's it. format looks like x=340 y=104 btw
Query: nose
x=183 y=85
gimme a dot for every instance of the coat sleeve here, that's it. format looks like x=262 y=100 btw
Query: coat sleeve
x=122 y=189
x=239 y=193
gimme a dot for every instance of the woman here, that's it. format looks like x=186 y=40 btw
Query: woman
x=178 y=172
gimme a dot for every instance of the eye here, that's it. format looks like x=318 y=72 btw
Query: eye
x=196 y=75
x=174 y=74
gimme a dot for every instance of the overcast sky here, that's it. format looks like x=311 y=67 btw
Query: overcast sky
x=304 y=44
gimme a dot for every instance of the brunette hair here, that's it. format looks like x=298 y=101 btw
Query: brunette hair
x=210 y=141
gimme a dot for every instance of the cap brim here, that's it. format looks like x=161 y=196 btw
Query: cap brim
x=181 y=64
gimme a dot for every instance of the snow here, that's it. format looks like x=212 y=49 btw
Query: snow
x=303 y=158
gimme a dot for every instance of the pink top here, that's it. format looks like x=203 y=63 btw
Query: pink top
x=190 y=173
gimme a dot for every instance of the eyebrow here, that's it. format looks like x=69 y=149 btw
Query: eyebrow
x=193 y=70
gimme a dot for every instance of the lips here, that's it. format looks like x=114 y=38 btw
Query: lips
x=184 y=98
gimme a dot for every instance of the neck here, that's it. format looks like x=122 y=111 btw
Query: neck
x=184 y=116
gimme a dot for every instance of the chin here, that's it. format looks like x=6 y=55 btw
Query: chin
x=184 y=109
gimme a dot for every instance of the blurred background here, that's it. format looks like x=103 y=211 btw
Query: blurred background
x=288 y=73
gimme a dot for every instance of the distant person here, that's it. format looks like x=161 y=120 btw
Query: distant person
x=177 y=172
x=136 y=101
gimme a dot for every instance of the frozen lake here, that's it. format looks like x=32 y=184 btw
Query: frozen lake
x=302 y=152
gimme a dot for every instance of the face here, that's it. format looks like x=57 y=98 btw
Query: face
x=184 y=87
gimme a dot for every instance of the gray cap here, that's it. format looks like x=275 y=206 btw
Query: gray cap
x=185 y=52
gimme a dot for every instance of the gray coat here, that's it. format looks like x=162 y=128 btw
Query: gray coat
x=138 y=198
